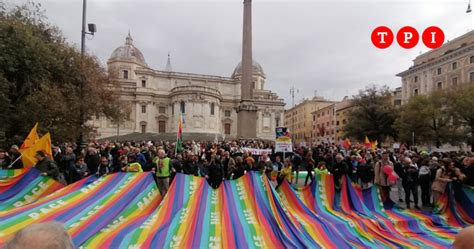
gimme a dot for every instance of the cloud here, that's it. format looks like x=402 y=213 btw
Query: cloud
x=321 y=46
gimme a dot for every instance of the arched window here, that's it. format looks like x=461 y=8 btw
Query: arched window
x=213 y=106
x=183 y=107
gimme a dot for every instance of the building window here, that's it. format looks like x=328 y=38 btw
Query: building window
x=143 y=108
x=415 y=92
x=343 y=121
x=439 y=71
x=161 y=109
x=471 y=60
x=183 y=107
x=416 y=79
x=144 y=83
x=227 y=113
x=327 y=123
x=471 y=76
x=213 y=106
x=454 y=65
x=337 y=122
x=172 y=109
x=277 y=121
x=440 y=85
x=125 y=74
x=455 y=81
x=143 y=128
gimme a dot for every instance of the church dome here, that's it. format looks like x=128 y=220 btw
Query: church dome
x=128 y=52
x=256 y=69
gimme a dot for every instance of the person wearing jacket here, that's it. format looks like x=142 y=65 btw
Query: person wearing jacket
x=215 y=174
x=365 y=174
x=410 y=181
x=67 y=164
x=162 y=170
x=103 y=168
x=133 y=165
x=338 y=169
x=228 y=164
x=424 y=181
x=439 y=184
x=321 y=169
x=380 y=178
x=46 y=166
x=310 y=165
x=285 y=173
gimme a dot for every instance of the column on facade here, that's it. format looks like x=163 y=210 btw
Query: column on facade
x=272 y=121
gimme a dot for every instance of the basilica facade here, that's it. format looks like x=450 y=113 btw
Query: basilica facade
x=207 y=103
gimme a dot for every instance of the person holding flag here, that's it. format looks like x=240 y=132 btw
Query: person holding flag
x=46 y=166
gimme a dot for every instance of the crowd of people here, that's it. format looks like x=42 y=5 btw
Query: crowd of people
x=217 y=161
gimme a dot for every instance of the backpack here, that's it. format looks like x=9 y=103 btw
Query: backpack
x=433 y=173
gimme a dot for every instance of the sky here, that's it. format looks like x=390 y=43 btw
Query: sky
x=320 y=47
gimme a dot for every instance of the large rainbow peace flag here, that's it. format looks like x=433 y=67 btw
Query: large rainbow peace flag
x=125 y=210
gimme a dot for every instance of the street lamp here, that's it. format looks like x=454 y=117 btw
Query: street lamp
x=92 y=29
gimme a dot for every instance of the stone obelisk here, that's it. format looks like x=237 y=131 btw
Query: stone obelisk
x=247 y=111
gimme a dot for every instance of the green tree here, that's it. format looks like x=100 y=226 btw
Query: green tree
x=373 y=115
x=460 y=104
x=428 y=118
x=43 y=75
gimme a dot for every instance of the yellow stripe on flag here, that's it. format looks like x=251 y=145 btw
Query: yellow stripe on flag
x=31 y=139
x=43 y=144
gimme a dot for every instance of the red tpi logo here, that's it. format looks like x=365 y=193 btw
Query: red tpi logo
x=407 y=37
x=433 y=37
x=382 y=37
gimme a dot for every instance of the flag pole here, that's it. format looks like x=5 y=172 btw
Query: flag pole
x=16 y=160
x=180 y=122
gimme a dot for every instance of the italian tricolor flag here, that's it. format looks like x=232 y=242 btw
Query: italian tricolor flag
x=179 y=145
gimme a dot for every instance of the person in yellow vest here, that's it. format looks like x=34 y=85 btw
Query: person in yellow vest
x=285 y=173
x=132 y=165
x=321 y=169
x=161 y=167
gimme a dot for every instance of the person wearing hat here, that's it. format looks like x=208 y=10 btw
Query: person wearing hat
x=46 y=166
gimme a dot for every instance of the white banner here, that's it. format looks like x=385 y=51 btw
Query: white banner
x=257 y=152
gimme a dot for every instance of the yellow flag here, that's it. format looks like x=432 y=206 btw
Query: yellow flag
x=375 y=144
x=367 y=143
x=31 y=139
x=43 y=144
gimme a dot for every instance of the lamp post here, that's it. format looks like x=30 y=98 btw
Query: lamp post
x=92 y=30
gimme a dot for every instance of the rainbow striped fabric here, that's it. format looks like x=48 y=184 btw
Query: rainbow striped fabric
x=125 y=210
x=10 y=173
